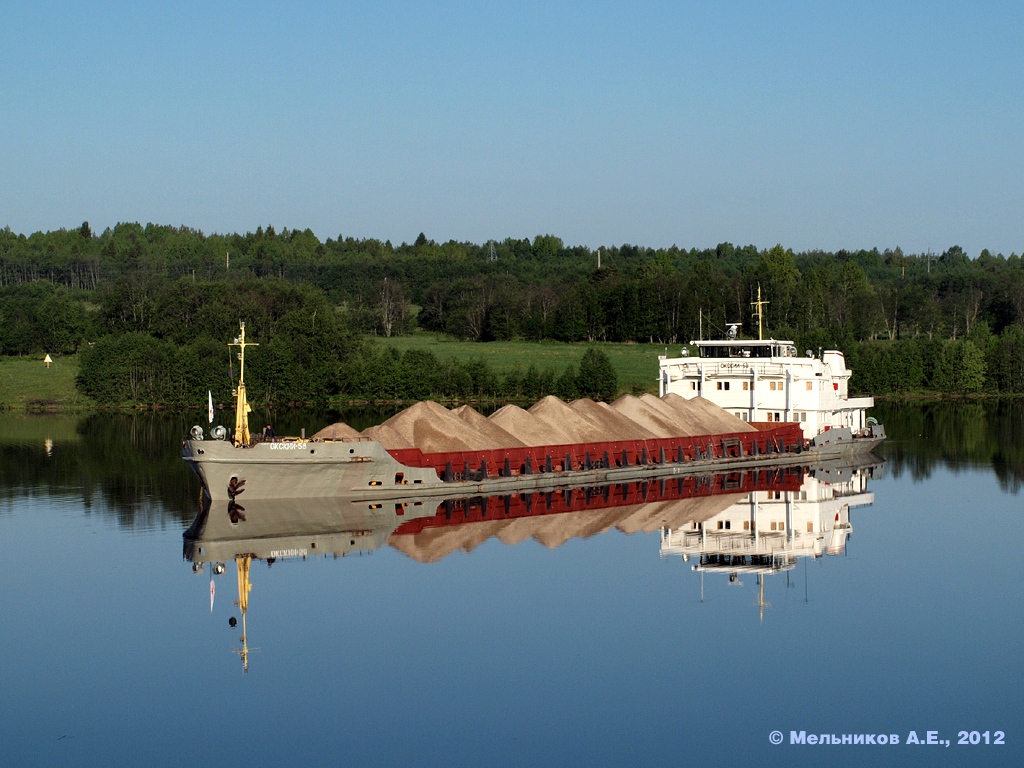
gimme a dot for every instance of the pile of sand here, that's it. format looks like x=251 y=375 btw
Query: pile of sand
x=496 y=436
x=555 y=412
x=660 y=422
x=434 y=429
x=712 y=419
x=338 y=431
x=697 y=420
x=610 y=421
x=386 y=436
x=430 y=427
x=527 y=428
x=688 y=416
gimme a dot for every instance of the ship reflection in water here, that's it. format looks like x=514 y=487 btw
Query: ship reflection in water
x=749 y=522
x=766 y=532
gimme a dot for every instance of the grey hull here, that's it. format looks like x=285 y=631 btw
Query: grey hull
x=300 y=469
x=365 y=470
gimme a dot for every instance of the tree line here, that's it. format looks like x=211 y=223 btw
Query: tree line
x=140 y=368
x=908 y=322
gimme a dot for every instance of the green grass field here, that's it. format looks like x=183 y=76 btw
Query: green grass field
x=26 y=383
x=635 y=364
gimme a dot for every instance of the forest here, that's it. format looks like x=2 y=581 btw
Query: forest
x=149 y=307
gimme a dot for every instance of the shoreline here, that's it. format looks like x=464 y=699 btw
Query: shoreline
x=36 y=406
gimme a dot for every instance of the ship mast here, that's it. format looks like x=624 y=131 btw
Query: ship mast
x=761 y=604
x=759 y=306
x=242 y=408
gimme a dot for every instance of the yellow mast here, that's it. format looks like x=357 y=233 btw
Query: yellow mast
x=242 y=408
x=759 y=311
x=244 y=587
x=761 y=603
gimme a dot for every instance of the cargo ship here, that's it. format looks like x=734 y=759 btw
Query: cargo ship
x=607 y=448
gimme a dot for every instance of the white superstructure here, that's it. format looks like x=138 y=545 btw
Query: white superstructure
x=767 y=381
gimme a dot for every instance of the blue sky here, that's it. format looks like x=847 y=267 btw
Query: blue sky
x=842 y=126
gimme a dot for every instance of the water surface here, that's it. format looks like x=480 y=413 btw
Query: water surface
x=579 y=637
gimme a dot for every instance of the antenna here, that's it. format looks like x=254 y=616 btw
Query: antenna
x=759 y=306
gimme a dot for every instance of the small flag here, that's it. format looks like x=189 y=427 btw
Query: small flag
x=211 y=405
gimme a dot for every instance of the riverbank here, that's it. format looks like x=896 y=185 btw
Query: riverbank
x=26 y=384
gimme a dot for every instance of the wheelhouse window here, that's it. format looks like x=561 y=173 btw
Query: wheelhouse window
x=740 y=350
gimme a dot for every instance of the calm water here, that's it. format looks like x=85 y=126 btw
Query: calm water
x=538 y=637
